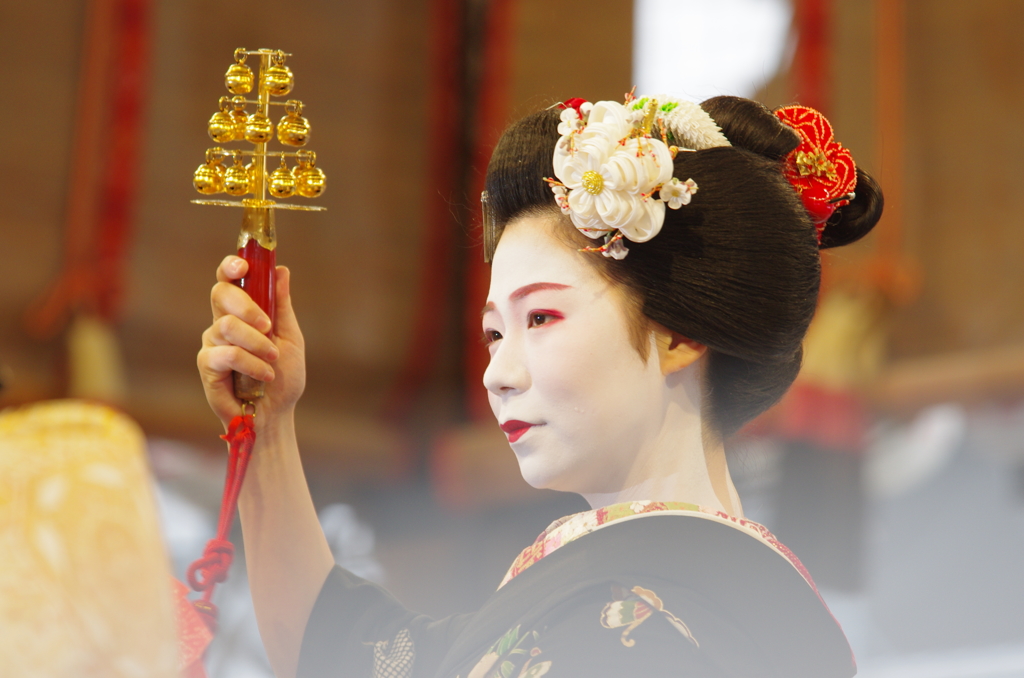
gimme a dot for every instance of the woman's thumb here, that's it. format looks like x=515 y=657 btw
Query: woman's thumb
x=285 y=324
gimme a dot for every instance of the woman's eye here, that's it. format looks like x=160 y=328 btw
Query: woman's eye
x=538 y=318
x=491 y=336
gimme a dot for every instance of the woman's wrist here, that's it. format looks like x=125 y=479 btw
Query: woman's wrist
x=276 y=468
x=274 y=432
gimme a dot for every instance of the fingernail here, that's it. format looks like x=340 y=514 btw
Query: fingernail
x=263 y=324
x=273 y=353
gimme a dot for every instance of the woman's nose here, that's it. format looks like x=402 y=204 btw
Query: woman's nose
x=507 y=372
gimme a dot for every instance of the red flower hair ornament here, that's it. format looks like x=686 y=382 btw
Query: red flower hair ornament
x=820 y=169
x=575 y=104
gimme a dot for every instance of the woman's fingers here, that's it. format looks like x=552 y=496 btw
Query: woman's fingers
x=230 y=330
x=229 y=299
x=216 y=363
x=232 y=268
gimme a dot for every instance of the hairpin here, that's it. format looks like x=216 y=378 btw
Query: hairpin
x=490 y=228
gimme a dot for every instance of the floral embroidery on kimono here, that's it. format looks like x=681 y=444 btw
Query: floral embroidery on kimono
x=631 y=610
x=394 y=658
x=505 y=659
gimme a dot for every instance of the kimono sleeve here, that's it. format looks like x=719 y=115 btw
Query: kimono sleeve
x=358 y=629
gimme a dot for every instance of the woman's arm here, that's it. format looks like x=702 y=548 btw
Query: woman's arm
x=287 y=556
x=286 y=553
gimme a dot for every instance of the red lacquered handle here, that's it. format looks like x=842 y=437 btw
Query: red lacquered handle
x=260 y=280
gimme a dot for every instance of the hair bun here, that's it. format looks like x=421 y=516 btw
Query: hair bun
x=854 y=221
x=753 y=127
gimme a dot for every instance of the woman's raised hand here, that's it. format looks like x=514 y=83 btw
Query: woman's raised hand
x=286 y=554
x=236 y=341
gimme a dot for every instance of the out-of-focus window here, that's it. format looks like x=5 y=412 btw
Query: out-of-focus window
x=696 y=49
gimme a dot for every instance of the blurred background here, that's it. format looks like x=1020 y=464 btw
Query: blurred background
x=895 y=467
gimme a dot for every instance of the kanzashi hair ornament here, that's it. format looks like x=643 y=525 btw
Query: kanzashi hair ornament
x=678 y=193
x=612 y=248
x=682 y=123
x=820 y=169
x=613 y=170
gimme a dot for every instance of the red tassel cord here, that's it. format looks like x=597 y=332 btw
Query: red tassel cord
x=212 y=567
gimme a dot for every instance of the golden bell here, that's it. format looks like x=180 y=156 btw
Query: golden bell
x=208 y=180
x=310 y=181
x=293 y=129
x=209 y=177
x=278 y=79
x=236 y=179
x=282 y=182
x=258 y=128
x=239 y=79
x=239 y=116
x=251 y=169
x=222 y=125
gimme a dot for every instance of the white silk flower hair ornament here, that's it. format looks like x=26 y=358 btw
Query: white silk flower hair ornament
x=613 y=175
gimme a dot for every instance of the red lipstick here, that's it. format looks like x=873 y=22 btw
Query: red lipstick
x=515 y=429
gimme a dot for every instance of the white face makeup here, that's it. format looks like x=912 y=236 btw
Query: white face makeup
x=563 y=364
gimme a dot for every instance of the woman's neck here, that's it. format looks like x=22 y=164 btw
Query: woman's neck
x=682 y=463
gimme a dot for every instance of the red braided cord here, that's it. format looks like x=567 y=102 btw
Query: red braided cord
x=212 y=567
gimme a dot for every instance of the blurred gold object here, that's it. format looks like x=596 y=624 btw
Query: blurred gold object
x=278 y=79
x=310 y=181
x=282 y=182
x=209 y=177
x=258 y=128
x=236 y=179
x=222 y=125
x=84 y=574
x=293 y=129
x=239 y=77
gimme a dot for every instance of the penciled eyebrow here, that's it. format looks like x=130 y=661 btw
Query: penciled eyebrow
x=525 y=291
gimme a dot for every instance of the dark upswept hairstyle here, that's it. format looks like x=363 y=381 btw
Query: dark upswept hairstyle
x=738 y=269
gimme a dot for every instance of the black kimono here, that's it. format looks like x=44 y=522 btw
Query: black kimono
x=640 y=589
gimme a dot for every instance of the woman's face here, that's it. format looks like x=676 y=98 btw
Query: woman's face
x=566 y=383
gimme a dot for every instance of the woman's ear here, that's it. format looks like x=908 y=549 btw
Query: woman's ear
x=675 y=351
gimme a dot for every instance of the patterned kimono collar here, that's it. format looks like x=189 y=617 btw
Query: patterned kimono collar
x=571 y=528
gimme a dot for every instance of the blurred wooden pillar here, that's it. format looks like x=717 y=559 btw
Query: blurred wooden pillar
x=445 y=157
x=101 y=196
x=890 y=119
x=471 y=65
x=812 y=62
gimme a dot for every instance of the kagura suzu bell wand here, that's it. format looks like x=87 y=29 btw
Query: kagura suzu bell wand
x=257 y=244
x=246 y=119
